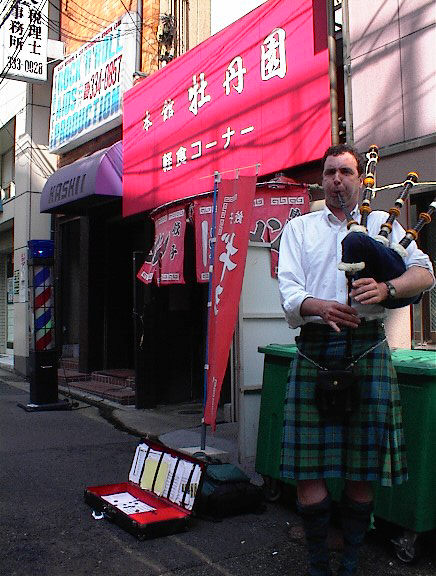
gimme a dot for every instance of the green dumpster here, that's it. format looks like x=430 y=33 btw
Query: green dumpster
x=411 y=505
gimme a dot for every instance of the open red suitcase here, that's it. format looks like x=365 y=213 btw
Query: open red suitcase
x=159 y=497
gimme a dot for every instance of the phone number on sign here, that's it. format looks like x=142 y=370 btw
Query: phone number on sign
x=27 y=66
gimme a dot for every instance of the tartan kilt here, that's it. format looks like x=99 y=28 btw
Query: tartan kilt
x=369 y=446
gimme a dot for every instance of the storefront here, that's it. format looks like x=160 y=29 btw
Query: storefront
x=238 y=104
x=94 y=247
x=93 y=243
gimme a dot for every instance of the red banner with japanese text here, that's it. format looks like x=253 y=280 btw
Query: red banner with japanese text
x=164 y=263
x=233 y=217
x=272 y=209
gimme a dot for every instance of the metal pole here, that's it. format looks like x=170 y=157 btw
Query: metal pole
x=332 y=73
x=138 y=63
x=141 y=399
x=347 y=72
x=217 y=178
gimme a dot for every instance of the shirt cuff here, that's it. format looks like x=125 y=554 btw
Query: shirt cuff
x=292 y=307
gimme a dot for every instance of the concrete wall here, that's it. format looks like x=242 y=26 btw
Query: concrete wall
x=21 y=221
x=33 y=165
x=393 y=79
x=393 y=83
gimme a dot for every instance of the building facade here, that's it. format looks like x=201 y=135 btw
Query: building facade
x=97 y=249
x=94 y=244
x=390 y=84
x=161 y=30
x=25 y=165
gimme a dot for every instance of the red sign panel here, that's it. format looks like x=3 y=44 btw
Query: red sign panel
x=164 y=263
x=233 y=217
x=272 y=209
x=253 y=97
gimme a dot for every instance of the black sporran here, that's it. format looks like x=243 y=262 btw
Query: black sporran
x=337 y=393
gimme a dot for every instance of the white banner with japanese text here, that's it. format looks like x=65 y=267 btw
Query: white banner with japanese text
x=202 y=214
x=24 y=39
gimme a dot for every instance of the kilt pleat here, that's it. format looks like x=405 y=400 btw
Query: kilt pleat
x=370 y=445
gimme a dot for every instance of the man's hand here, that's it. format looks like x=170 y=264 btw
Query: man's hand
x=333 y=313
x=368 y=291
x=414 y=281
x=336 y=315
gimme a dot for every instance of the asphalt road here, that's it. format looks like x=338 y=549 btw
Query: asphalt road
x=48 y=458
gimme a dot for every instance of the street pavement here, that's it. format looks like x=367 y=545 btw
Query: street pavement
x=48 y=458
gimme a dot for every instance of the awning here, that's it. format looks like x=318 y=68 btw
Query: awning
x=84 y=183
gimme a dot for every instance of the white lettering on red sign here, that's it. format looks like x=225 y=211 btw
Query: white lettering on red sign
x=273 y=55
x=147 y=121
x=275 y=201
x=197 y=94
x=167 y=110
x=181 y=156
x=167 y=161
x=235 y=71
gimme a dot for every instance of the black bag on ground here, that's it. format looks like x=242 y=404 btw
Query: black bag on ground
x=227 y=491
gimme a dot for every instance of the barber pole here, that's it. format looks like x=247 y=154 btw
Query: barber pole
x=43 y=308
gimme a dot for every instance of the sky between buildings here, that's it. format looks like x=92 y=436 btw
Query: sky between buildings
x=224 y=12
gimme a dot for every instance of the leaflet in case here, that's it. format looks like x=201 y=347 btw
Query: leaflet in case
x=158 y=498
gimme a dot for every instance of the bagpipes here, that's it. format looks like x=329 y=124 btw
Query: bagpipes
x=366 y=257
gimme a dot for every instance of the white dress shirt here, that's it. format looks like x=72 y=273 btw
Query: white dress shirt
x=310 y=251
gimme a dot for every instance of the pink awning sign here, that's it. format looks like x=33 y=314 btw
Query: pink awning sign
x=254 y=97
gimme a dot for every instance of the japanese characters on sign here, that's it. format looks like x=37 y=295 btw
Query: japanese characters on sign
x=256 y=102
x=23 y=39
x=164 y=264
x=271 y=210
x=88 y=86
x=202 y=212
x=234 y=207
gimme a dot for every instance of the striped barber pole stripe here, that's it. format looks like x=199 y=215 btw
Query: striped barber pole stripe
x=43 y=308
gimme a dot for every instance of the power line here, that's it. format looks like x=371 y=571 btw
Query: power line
x=56 y=28
x=9 y=12
x=77 y=14
x=126 y=9
x=61 y=31
x=84 y=10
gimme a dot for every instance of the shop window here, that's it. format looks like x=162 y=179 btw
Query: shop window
x=424 y=313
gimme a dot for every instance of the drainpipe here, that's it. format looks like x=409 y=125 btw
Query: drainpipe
x=332 y=73
x=139 y=10
x=347 y=72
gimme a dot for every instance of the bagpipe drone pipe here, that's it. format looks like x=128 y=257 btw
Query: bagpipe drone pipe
x=367 y=257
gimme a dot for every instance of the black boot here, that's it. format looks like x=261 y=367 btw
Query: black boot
x=316 y=520
x=356 y=517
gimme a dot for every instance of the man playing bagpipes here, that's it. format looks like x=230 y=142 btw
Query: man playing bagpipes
x=342 y=409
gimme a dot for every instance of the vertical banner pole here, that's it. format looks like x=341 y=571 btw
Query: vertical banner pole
x=217 y=179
